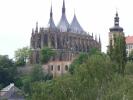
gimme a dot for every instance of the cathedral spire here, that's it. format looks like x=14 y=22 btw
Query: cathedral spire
x=63 y=7
x=51 y=12
x=96 y=37
x=32 y=31
x=92 y=35
x=75 y=26
x=63 y=25
x=99 y=39
x=36 y=31
x=51 y=24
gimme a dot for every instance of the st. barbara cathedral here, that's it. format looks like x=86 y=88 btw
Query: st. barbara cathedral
x=67 y=40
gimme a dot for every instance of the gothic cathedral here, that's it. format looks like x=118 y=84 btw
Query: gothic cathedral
x=67 y=40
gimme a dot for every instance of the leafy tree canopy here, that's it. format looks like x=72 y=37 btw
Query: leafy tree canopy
x=22 y=56
x=93 y=79
x=82 y=58
x=129 y=68
x=46 y=54
x=37 y=75
x=117 y=52
x=7 y=70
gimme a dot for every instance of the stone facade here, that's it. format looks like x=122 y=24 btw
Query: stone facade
x=67 y=40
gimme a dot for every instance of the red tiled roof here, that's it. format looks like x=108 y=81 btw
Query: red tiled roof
x=129 y=39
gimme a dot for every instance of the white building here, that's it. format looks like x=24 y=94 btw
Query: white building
x=129 y=44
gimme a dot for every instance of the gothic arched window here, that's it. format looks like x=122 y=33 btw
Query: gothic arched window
x=66 y=67
x=52 y=68
x=58 y=67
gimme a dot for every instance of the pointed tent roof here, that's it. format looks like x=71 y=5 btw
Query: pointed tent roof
x=63 y=24
x=75 y=26
x=51 y=24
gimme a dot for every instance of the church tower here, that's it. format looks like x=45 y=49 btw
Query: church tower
x=116 y=30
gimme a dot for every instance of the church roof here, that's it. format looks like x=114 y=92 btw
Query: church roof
x=63 y=25
x=51 y=24
x=129 y=40
x=75 y=26
x=116 y=26
x=11 y=92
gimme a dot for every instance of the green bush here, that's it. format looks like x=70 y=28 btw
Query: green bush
x=46 y=54
x=129 y=68
x=95 y=78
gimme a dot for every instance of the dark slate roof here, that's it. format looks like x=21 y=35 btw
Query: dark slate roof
x=51 y=24
x=116 y=28
x=75 y=26
x=63 y=25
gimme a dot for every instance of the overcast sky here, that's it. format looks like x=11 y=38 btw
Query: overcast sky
x=18 y=17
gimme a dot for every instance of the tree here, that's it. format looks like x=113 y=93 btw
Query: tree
x=22 y=56
x=46 y=54
x=117 y=53
x=37 y=73
x=110 y=50
x=7 y=70
x=94 y=79
x=78 y=61
x=129 y=68
x=82 y=58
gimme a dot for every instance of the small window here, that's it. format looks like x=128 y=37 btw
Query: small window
x=66 y=68
x=51 y=67
x=58 y=67
x=126 y=47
